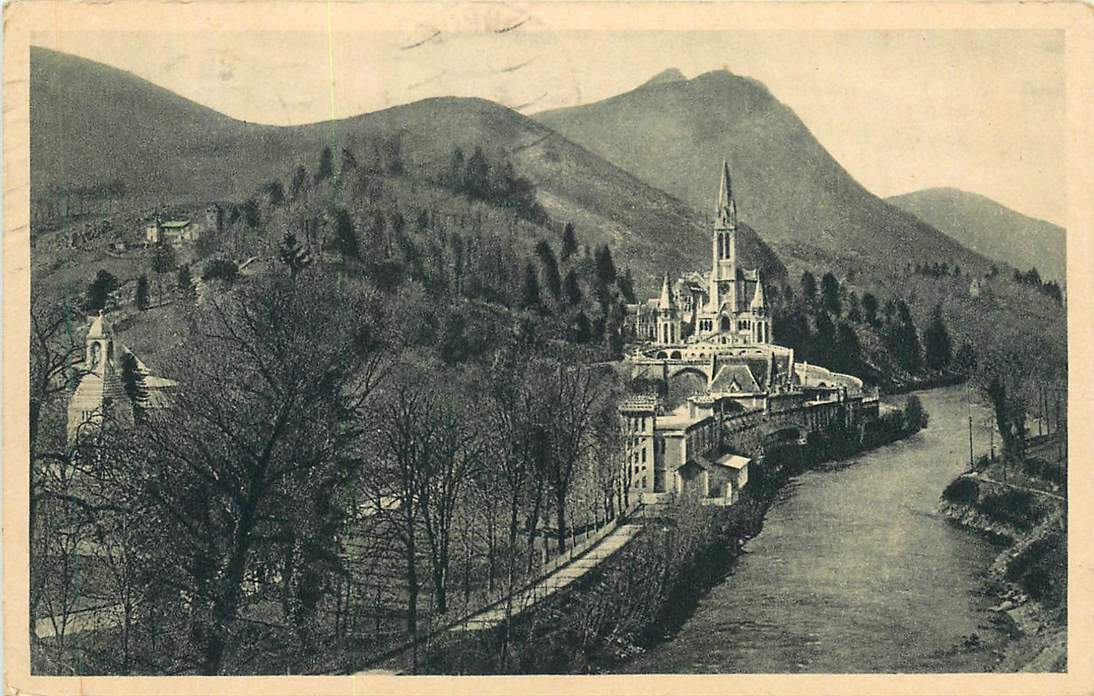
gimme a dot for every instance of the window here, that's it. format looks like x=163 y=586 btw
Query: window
x=643 y=455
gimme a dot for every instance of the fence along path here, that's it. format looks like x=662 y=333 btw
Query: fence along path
x=557 y=575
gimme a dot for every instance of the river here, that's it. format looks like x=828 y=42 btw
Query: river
x=854 y=570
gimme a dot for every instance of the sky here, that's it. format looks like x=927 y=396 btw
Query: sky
x=978 y=110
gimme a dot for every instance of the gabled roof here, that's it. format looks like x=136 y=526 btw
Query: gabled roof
x=733 y=461
x=175 y=224
x=734 y=378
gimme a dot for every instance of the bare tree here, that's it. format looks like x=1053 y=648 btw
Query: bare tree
x=258 y=429
x=456 y=451
x=56 y=349
x=573 y=392
x=404 y=436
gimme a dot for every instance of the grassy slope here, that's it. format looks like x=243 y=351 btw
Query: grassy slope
x=991 y=229
x=671 y=134
x=92 y=123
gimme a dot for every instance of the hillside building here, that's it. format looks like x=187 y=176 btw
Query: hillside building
x=183 y=231
x=100 y=391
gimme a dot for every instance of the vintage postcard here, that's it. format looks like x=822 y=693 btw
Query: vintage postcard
x=551 y=347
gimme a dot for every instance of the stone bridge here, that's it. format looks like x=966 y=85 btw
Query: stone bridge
x=754 y=432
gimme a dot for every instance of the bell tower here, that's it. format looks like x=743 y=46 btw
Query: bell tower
x=723 y=274
x=99 y=346
x=668 y=324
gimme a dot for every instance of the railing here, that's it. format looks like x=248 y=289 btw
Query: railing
x=580 y=543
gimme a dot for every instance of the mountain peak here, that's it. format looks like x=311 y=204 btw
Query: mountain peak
x=665 y=76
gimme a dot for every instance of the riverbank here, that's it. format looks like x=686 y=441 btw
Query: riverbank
x=1028 y=515
x=644 y=595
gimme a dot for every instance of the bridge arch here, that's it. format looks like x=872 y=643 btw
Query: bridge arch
x=702 y=372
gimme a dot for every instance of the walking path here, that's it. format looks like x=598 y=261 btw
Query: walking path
x=981 y=477
x=554 y=581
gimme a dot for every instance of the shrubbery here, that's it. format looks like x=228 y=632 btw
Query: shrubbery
x=963 y=491
x=1049 y=471
x=220 y=269
x=915 y=416
x=1041 y=569
x=1012 y=507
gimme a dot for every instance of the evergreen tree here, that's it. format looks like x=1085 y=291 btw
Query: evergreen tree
x=915 y=416
x=326 y=165
x=569 y=242
x=869 y=308
x=186 y=284
x=476 y=182
x=793 y=330
x=275 y=193
x=889 y=311
x=830 y=291
x=571 y=290
x=626 y=287
x=163 y=259
x=142 y=293
x=453 y=178
x=854 y=313
x=965 y=359
x=582 y=331
x=903 y=340
x=299 y=181
x=349 y=162
x=822 y=346
x=809 y=288
x=133 y=383
x=98 y=293
x=345 y=239
x=293 y=255
x=937 y=342
x=550 y=268
x=531 y=287
x=847 y=353
x=250 y=212
x=605 y=266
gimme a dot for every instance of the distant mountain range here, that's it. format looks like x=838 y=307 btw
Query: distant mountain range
x=788 y=186
x=91 y=123
x=992 y=229
x=639 y=171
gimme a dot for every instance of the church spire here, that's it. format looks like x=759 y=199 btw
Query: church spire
x=726 y=217
x=758 y=299
x=666 y=295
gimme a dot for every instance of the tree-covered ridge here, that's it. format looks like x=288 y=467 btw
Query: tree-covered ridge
x=364 y=361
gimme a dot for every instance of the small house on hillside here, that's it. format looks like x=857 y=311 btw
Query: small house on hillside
x=173 y=232
x=181 y=231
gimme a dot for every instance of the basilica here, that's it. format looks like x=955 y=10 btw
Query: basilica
x=725 y=306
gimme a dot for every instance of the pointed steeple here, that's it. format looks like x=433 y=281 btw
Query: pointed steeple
x=667 y=301
x=758 y=299
x=726 y=217
x=100 y=327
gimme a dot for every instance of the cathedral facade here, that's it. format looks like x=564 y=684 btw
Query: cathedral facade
x=725 y=306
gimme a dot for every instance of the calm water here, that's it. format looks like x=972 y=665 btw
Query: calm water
x=854 y=570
